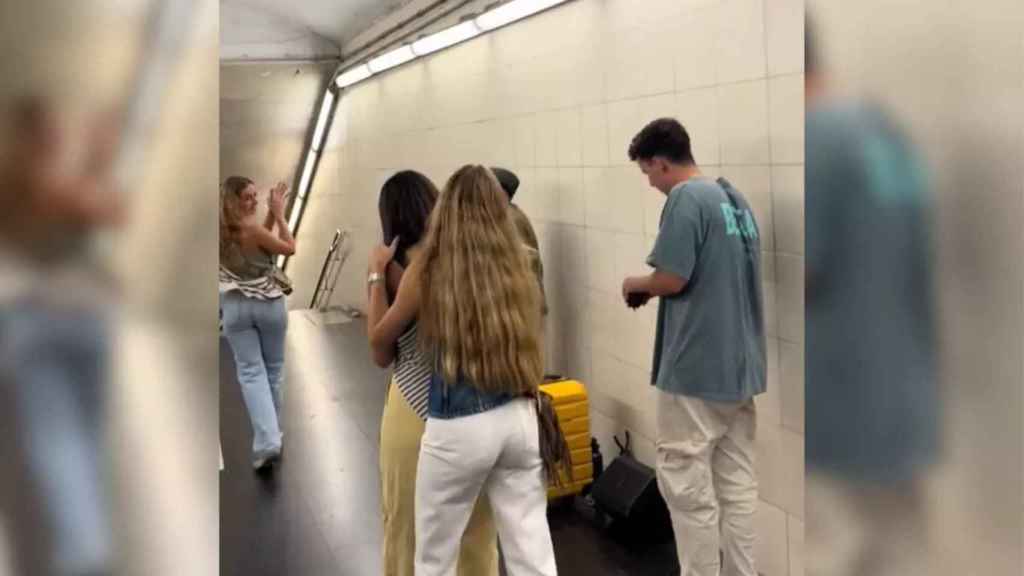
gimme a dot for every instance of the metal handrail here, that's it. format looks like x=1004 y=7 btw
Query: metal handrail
x=323 y=269
x=337 y=254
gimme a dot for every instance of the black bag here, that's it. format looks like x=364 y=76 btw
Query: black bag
x=628 y=492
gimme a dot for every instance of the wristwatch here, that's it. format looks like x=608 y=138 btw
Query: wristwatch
x=374 y=278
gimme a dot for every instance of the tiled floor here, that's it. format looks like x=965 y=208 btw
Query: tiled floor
x=318 y=512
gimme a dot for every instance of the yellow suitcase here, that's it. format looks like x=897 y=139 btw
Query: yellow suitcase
x=581 y=456
x=576 y=488
x=572 y=411
x=581 y=472
x=576 y=427
x=582 y=476
x=565 y=392
x=571 y=403
x=577 y=442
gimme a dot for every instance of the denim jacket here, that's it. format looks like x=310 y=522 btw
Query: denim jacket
x=460 y=399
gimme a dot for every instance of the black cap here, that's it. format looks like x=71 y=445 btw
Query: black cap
x=509 y=181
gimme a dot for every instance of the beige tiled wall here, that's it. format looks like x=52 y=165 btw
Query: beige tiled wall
x=557 y=99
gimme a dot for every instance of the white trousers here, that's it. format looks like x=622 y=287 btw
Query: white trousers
x=496 y=451
x=854 y=528
x=706 y=474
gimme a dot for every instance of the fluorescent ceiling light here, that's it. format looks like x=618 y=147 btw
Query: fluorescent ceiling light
x=321 y=122
x=296 y=210
x=307 y=172
x=391 y=59
x=445 y=38
x=514 y=10
x=353 y=75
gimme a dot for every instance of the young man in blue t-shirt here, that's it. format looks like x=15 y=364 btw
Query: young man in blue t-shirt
x=709 y=353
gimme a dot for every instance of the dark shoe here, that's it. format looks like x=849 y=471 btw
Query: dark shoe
x=266 y=459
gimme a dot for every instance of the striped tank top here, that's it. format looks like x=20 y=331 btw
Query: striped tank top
x=248 y=274
x=412 y=372
x=262 y=288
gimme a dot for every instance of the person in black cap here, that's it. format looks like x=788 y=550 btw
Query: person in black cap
x=510 y=183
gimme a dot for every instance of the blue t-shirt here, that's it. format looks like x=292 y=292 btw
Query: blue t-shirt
x=710 y=340
x=872 y=403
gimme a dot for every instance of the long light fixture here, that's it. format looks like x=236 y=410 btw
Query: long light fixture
x=321 y=121
x=512 y=11
x=391 y=59
x=496 y=18
x=445 y=38
x=353 y=75
x=490 y=20
x=307 y=173
x=296 y=210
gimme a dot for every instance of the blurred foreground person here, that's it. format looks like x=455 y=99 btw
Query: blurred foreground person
x=871 y=393
x=55 y=341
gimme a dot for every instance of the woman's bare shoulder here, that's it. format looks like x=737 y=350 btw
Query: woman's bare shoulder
x=249 y=234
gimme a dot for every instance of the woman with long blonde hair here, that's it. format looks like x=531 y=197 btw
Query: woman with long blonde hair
x=255 y=318
x=479 y=317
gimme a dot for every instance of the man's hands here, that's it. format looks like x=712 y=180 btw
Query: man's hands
x=634 y=293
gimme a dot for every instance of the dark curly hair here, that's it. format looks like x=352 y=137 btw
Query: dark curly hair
x=664 y=137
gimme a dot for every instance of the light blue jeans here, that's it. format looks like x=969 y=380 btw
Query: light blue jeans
x=58 y=366
x=256 y=329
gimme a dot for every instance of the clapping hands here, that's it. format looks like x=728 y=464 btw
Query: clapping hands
x=278 y=199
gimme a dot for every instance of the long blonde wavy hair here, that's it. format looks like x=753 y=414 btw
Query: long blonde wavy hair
x=231 y=211
x=481 y=309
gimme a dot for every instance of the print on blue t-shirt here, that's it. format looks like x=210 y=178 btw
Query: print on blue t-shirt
x=738 y=221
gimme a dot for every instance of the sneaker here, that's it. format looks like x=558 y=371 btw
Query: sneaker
x=265 y=460
x=261 y=463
